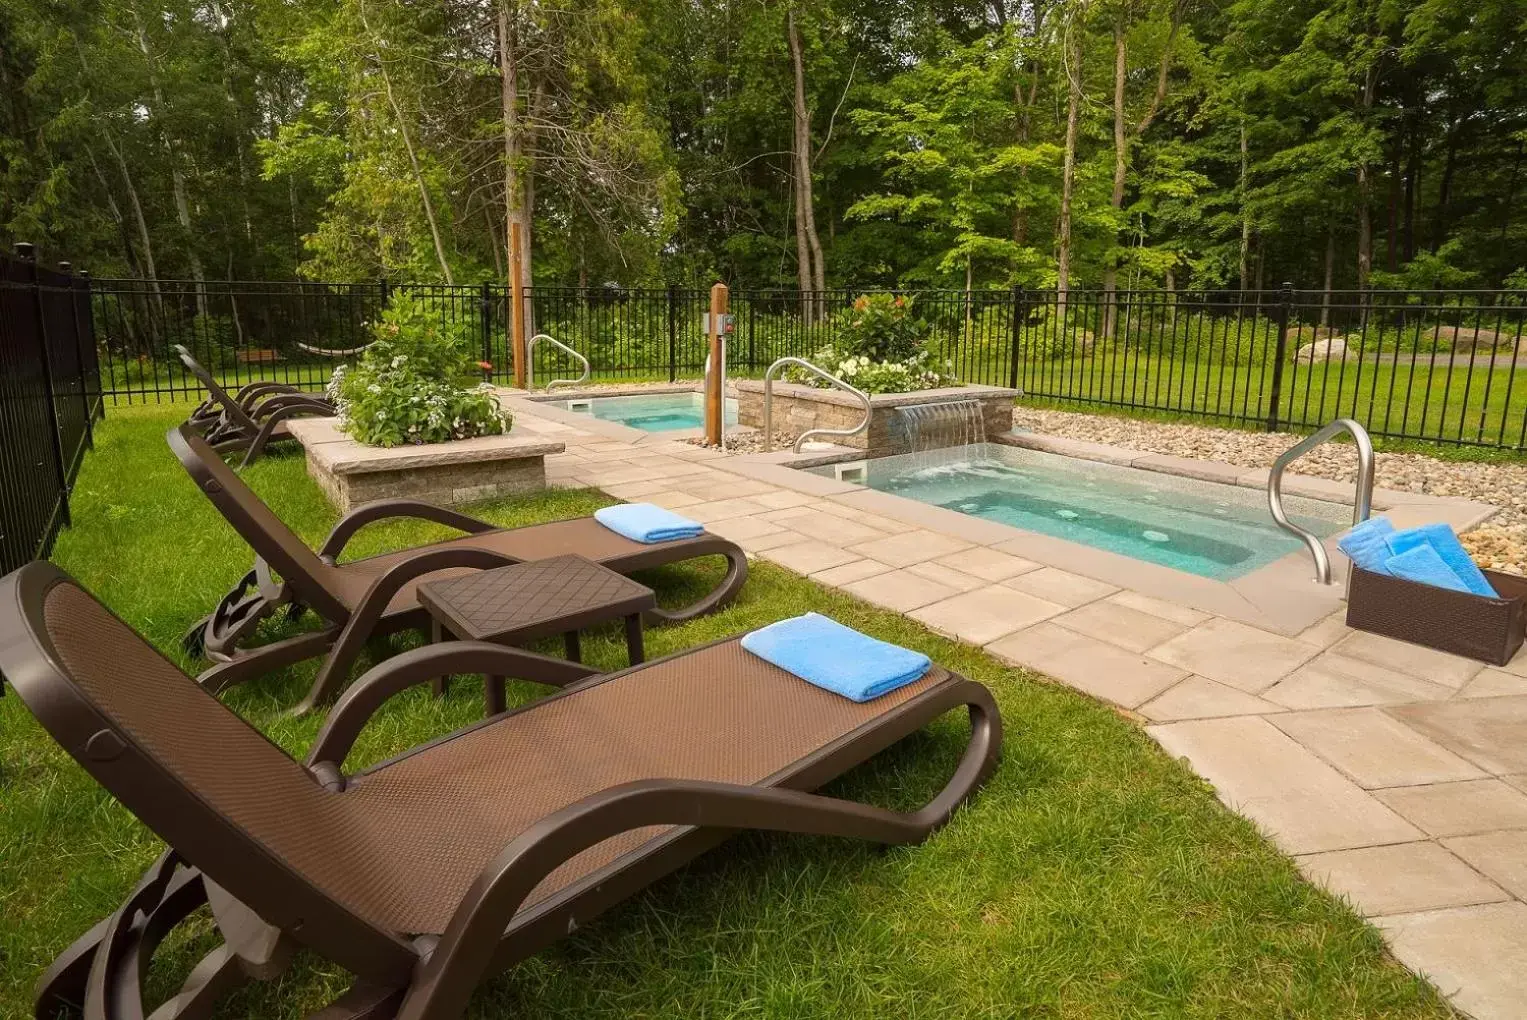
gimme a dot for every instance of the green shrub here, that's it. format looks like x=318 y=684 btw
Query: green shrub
x=880 y=327
x=411 y=384
x=915 y=373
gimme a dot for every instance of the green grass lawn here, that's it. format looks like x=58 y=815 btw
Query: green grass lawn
x=1093 y=877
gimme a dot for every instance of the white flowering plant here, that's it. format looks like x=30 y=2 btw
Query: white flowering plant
x=412 y=384
x=918 y=372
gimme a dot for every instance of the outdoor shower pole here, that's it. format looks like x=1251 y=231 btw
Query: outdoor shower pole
x=517 y=305
x=715 y=400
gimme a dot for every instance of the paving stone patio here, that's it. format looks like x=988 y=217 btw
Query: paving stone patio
x=1394 y=775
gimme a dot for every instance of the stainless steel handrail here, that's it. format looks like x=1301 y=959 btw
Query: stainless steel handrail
x=530 y=363
x=800 y=440
x=1362 y=505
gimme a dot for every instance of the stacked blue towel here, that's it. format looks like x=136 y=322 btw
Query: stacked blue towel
x=1430 y=554
x=644 y=522
x=836 y=658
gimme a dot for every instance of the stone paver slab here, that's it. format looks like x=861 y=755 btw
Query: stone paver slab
x=847 y=573
x=1055 y=585
x=1244 y=657
x=1331 y=680
x=1518 y=663
x=956 y=579
x=1460 y=809
x=910 y=547
x=1159 y=607
x=1374 y=749
x=721 y=509
x=782 y=499
x=808 y=557
x=739 y=528
x=1302 y=802
x=988 y=564
x=827 y=528
x=1475 y=955
x=1327 y=632
x=1517 y=782
x=1100 y=669
x=1417 y=660
x=1120 y=625
x=1400 y=878
x=1490 y=732
x=1500 y=855
x=1494 y=683
x=1198 y=697
x=986 y=614
x=899 y=590
x=672 y=499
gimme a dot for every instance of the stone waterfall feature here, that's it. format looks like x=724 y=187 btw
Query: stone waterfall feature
x=942 y=424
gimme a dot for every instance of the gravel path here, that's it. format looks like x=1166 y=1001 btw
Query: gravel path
x=1500 y=543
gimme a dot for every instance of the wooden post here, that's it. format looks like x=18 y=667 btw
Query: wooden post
x=517 y=304
x=715 y=400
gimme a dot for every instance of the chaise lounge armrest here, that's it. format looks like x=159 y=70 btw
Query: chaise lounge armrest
x=421 y=665
x=387 y=509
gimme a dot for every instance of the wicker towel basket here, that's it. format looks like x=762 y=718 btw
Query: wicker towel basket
x=1451 y=621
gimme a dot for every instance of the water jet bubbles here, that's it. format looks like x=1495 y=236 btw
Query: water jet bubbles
x=1155 y=536
x=1069 y=515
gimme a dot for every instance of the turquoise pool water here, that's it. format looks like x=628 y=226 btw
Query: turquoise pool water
x=1210 y=529
x=651 y=412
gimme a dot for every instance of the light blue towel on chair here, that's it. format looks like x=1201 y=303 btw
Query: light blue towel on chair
x=1424 y=565
x=1442 y=541
x=1367 y=544
x=836 y=658
x=644 y=522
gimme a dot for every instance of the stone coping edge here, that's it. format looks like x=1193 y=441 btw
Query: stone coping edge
x=799 y=391
x=348 y=457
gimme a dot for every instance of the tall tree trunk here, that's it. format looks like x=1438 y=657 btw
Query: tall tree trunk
x=1120 y=165
x=1392 y=211
x=1445 y=190
x=139 y=221
x=1364 y=225
x=177 y=176
x=808 y=244
x=1245 y=262
x=408 y=147
x=1412 y=189
x=1325 y=293
x=1073 y=56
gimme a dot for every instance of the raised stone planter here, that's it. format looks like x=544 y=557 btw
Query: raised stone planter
x=351 y=473
x=798 y=408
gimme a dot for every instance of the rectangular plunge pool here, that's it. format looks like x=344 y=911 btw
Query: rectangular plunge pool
x=1210 y=529
x=650 y=412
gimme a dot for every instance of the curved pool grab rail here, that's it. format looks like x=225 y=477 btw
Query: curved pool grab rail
x=530 y=363
x=1362 y=505
x=768 y=415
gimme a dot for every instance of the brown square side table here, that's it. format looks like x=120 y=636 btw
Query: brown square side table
x=525 y=601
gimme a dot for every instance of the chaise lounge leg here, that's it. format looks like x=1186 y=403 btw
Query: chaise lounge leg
x=731 y=584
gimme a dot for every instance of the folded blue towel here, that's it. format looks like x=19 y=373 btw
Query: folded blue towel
x=1441 y=539
x=1424 y=565
x=836 y=658
x=1367 y=544
x=643 y=522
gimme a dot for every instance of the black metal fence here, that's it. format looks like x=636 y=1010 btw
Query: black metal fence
x=50 y=396
x=1437 y=366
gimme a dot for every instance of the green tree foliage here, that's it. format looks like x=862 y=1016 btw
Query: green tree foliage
x=1335 y=143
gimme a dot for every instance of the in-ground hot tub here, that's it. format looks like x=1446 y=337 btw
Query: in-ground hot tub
x=1211 y=529
x=649 y=412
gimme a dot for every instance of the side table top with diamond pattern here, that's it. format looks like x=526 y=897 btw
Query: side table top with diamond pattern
x=540 y=598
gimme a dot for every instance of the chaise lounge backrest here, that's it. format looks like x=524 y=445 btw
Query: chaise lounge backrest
x=255 y=821
x=225 y=400
x=314 y=582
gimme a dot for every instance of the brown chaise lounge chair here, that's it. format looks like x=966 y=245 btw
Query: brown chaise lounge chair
x=424 y=875
x=252 y=419
x=376 y=595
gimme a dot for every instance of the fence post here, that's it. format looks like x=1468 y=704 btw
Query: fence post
x=673 y=333
x=28 y=255
x=752 y=352
x=485 y=301
x=67 y=268
x=95 y=351
x=1285 y=307
x=1017 y=326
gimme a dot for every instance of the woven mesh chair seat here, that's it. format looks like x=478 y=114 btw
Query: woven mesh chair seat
x=401 y=845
